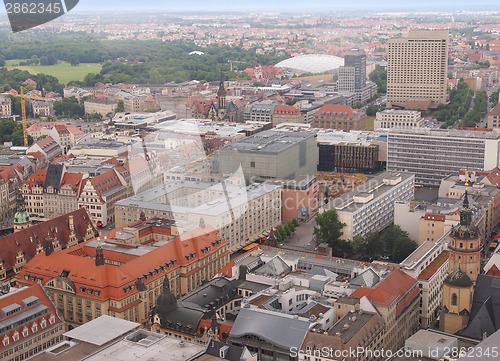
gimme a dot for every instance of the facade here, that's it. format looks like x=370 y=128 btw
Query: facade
x=334 y=116
x=41 y=108
x=286 y=114
x=355 y=157
x=48 y=147
x=240 y=214
x=99 y=194
x=370 y=207
x=352 y=76
x=391 y=118
x=122 y=275
x=20 y=247
x=30 y=323
x=434 y=154
x=133 y=104
x=271 y=155
x=103 y=107
x=299 y=198
x=417 y=68
x=260 y=112
x=5 y=107
x=494 y=118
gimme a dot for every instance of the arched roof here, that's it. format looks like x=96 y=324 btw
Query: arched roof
x=312 y=63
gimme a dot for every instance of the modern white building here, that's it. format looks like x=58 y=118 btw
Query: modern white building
x=433 y=154
x=370 y=207
x=403 y=119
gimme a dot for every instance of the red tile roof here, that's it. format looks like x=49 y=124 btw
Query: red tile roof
x=37 y=178
x=18 y=297
x=27 y=240
x=337 y=108
x=494 y=177
x=72 y=179
x=431 y=269
x=106 y=182
x=392 y=289
x=493 y=271
x=285 y=109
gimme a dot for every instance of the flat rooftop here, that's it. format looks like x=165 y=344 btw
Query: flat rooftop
x=443 y=133
x=269 y=141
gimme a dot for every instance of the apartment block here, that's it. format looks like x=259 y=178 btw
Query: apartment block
x=417 y=68
x=404 y=119
x=370 y=207
x=287 y=114
x=5 y=107
x=494 y=118
x=103 y=107
x=433 y=154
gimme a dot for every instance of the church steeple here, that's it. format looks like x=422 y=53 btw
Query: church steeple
x=466 y=211
x=99 y=254
x=22 y=218
x=221 y=93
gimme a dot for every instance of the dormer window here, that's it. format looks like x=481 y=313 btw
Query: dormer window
x=43 y=323
x=6 y=340
x=25 y=332
x=15 y=336
x=34 y=328
x=52 y=319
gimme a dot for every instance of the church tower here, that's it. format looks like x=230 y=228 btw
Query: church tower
x=465 y=243
x=221 y=98
x=22 y=218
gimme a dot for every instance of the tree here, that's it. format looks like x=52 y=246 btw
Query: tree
x=372 y=110
x=74 y=61
x=120 y=107
x=295 y=222
x=2 y=60
x=328 y=229
x=398 y=243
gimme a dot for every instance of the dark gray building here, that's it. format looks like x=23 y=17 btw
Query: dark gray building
x=357 y=60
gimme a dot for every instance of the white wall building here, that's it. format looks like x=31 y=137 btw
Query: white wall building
x=403 y=119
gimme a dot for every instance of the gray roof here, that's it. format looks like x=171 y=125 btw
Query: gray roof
x=269 y=141
x=366 y=279
x=101 y=330
x=490 y=343
x=275 y=267
x=280 y=330
x=485 y=311
x=218 y=288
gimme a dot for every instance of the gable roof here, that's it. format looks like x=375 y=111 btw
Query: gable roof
x=338 y=108
x=27 y=240
x=391 y=289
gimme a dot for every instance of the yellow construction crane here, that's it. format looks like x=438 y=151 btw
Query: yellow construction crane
x=23 y=112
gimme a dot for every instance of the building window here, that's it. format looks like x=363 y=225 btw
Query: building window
x=454 y=299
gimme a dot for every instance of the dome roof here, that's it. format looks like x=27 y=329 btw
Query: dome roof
x=458 y=279
x=312 y=63
x=166 y=301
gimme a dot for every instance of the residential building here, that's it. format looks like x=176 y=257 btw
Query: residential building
x=20 y=247
x=392 y=118
x=134 y=104
x=286 y=114
x=417 y=68
x=99 y=194
x=39 y=129
x=429 y=265
x=432 y=154
x=62 y=135
x=5 y=107
x=370 y=207
x=260 y=112
x=104 y=107
x=48 y=147
x=335 y=116
x=240 y=214
x=494 y=118
x=121 y=275
x=271 y=155
x=30 y=323
x=41 y=108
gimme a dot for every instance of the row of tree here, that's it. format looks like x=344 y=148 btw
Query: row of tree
x=12 y=131
x=393 y=243
x=13 y=79
x=284 y=231
x=460 y=101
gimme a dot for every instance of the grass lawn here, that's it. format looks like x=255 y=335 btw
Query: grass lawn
x=62 y=70
x=370 y=123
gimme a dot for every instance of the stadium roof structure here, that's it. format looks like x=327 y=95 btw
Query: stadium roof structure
x=312 y=63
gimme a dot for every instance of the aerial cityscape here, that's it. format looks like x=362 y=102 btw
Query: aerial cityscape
x=261 y=181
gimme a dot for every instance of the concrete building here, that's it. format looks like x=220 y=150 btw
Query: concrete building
x=260 y=112
x=391 y=118
x=121 y=275
x=434 y=154
x=494 y=118
x=30 y=323
x=370 y=207
x=417 y=68
x=352 y=76
x=299 y=198
x=333 y=116
x=271 y=155
x=103 y=107
x=240 y=214
x=429 y=265
x=5 y=107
